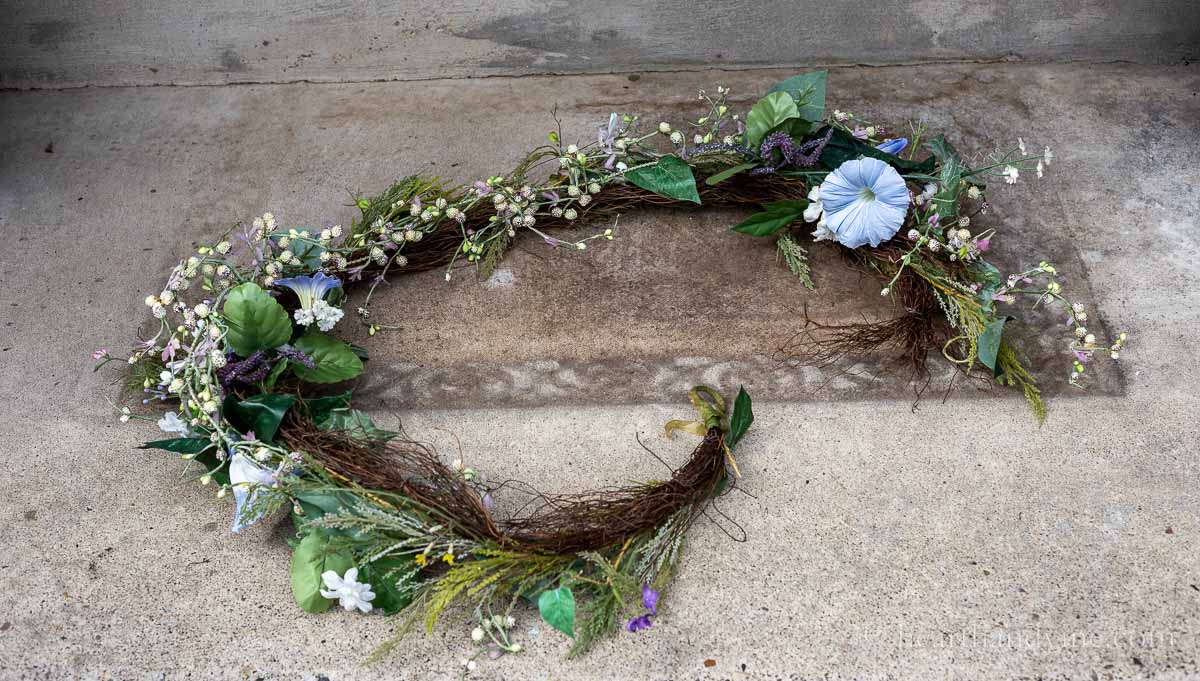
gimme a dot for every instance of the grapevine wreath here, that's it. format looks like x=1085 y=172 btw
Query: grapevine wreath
x=243 y=344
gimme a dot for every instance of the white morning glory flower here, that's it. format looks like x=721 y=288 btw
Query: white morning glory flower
x=348 y=590
x=244 y=477
x=865 y=201
x=171 y=424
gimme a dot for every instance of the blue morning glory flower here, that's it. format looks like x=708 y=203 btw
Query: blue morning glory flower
x=893 y=146
x=310 y=289
x=865 y=201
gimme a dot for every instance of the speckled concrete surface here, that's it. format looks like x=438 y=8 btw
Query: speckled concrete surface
x=954 y=541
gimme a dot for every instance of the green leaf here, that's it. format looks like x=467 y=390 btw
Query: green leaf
x=312 y=557
x=276 y=372
x=988 y=344
x=318 y=408
x=261 y=413
x=385 y=576
x=558 y=609
x=256 y=321
x=842 y=147
x=950 y=182
x=728 y=173
x=671 y=177
x=318 y=503
x=769 y=112
x=808 y=92
x=778 y=215
x=335 y=360
x=181 y=445
x=354 y=422
x=740 y=419
x=990 y=278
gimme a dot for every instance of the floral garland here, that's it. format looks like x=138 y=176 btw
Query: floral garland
x=242 y=345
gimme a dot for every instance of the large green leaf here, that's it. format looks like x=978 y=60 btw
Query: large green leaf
x=180 y=445
x=318 y=408
x=385 y=577
x=335 y=360
x=261 y=413
x=557 y=607
x=778 y=215
x=768 y=113
x=316 y=504
x=740 y=419
x=842 y=147
x=671 y=177
x=256 y=321
x=988 y=343
x=355 y=423
x=312 y=557
x=808 y=91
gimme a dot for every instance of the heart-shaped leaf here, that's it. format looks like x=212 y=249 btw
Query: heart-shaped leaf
x=255 y=320
x=671 y=177
x=808 y=91
x=557 y=607
x=335 y=360
x=767 y=113
x=312 y=557
x=261 y=413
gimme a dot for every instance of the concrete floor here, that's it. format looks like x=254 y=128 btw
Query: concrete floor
x=953 y=540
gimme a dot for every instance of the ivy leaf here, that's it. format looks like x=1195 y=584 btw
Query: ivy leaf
x=769 y=112
x=808 y=92
x=255 y=320
x=740 y=419
x=312 y=557
x=180 y=445
x=728 y=173
x=261 y=413
x=988 y=343
x=557 y=607
x=335 y=360
x=671 y=177
x=778 y=215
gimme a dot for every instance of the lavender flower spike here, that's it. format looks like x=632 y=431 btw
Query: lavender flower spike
x=310 y=289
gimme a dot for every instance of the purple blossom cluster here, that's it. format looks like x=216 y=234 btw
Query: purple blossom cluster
x=805 y=156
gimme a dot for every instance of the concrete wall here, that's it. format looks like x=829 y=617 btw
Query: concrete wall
x=67 y=43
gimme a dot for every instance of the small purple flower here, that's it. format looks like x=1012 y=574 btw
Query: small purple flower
x=893 y=146
x=638 y=623
x=645 y=620
x=650 y=599
x=482 y=188
x=860 y=133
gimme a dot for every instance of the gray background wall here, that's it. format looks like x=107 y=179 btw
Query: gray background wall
x=64 y=43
